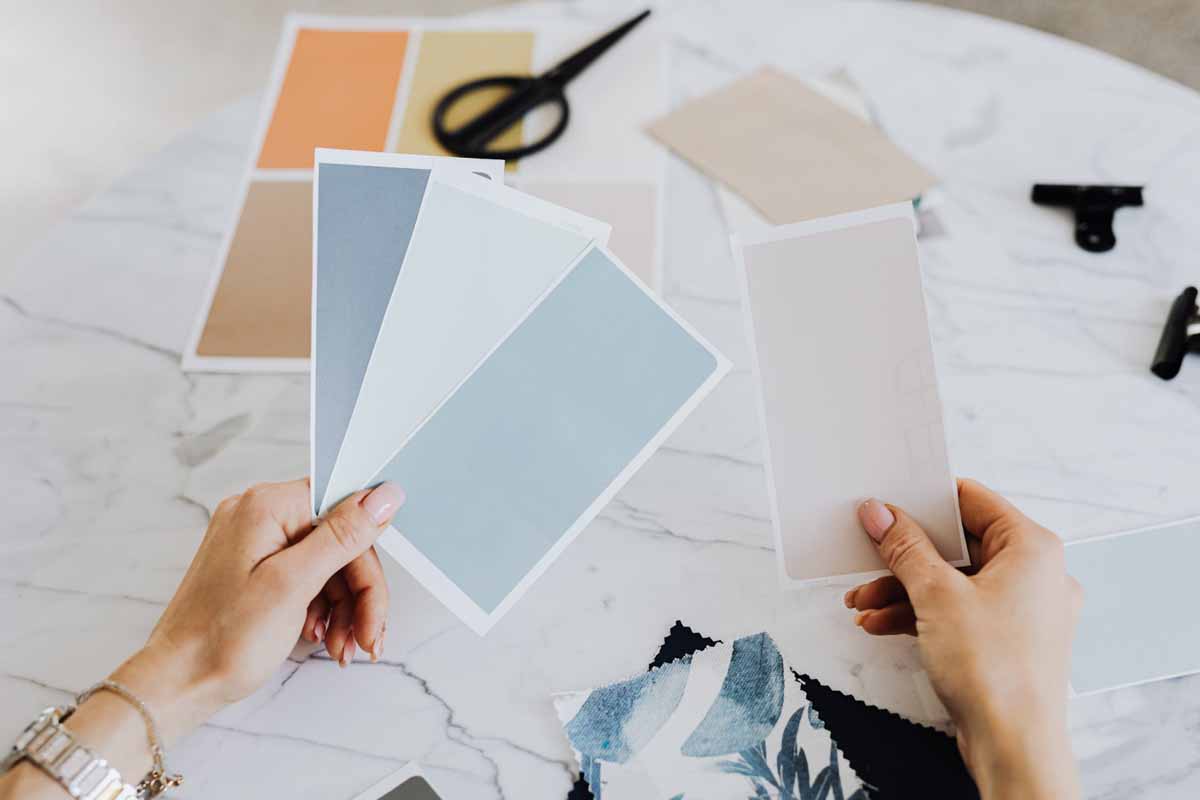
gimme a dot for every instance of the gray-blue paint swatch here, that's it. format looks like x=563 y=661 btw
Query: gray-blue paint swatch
x=542 y=428
x=1138 y=621
x=365 y=220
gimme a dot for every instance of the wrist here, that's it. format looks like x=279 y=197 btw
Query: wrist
x=177 y=695
x=1028 y=758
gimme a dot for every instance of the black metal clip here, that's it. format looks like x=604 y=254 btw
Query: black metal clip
x=1094 y=207
x=1180 y=336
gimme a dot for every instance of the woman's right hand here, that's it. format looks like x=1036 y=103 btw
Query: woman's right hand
x=996 y=644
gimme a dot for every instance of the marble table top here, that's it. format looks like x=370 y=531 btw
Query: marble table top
x=112 y=457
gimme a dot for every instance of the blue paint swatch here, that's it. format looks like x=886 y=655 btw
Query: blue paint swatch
x=1138 y=621
x=543 y=427
x=365 y=220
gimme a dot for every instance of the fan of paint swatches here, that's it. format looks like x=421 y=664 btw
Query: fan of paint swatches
x=371 y=84
x=849 y=402
x=517 y=377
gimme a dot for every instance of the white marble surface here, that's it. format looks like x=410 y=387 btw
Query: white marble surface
x=112 y=458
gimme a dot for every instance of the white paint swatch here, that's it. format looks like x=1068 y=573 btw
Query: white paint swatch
x=849 y=399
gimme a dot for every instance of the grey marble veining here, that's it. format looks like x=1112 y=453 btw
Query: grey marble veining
x=112 y=458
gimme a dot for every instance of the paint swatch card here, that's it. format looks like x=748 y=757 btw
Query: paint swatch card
x=1138 y=622
x=364 y=212
x=849 y=401
x=480 y=255
x=537 y=439
x=791 y=152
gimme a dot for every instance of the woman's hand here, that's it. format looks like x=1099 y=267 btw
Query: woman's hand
x=996 y=643
x=262 y=578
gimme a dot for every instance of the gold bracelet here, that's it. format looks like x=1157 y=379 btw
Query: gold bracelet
x=157 y=780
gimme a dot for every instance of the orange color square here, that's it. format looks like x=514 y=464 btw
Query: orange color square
x=338 y=91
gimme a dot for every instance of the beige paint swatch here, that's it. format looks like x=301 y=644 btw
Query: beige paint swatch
x=849 y=397
x=261 y=307
x=631 y=207
x=446 y=59
x=790 y=152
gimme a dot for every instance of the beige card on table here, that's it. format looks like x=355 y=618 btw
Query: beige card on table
x=789 y=151
x=849 y=399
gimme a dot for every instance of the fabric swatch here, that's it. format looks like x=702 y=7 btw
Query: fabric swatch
x=537 y=439
x=895 y=757
x=742 y=728
x=849 y=398
x=1138 y=622
x=789 y=151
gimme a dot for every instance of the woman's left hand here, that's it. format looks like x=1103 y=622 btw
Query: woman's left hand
x=262 y=578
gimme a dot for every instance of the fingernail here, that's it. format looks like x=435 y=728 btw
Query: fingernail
x=876 y=518
x=383 y=502
x=849 y=598
x=319 y=630
x=347 y=653
x=377 y=646
x=861 y=617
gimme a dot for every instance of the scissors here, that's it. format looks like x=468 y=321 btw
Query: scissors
x=471 y=139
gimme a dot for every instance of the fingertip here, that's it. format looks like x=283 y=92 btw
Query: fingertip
x=848 y=599
x=383 y=502
x=876 y=518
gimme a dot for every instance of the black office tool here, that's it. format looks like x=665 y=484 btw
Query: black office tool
x=1180 y=336
x=526 y=93
x=1094 y=207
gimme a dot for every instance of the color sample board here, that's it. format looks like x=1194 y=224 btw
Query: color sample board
x=506 y=472
x=361 y=84
x=480 y=255
x=791 y=152
x=849 y=401
x=365 y=208
x=1138 y=622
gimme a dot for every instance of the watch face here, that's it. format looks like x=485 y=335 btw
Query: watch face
x=412 y=789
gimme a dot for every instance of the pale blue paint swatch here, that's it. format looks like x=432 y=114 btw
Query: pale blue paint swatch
x=1139 y=621
x=365 y=219
x=522 y=449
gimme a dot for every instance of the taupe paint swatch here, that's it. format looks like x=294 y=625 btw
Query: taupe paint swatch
x=262 y=305
x=849 y=396
x=790 y=152
x=631 y=207
x=448 y=58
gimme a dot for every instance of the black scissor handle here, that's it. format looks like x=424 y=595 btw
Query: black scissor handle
x=471 y=139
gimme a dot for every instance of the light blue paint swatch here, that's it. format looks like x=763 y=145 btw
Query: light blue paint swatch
x=365 y=219
x=543 y=427
x=1139 y=621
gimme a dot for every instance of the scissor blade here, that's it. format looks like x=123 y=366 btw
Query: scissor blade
x=577 y=63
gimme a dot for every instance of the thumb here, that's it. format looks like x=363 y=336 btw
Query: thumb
x=906 y=548
x=344 y=534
